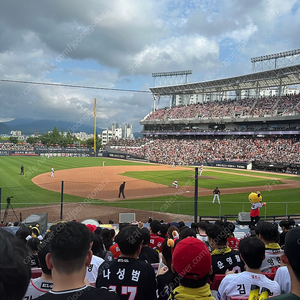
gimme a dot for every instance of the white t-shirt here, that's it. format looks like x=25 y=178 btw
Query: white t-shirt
x=272 y=260
x=203 y=238
x=239 y=284
x=92 y=269
x=37 y=287
x=283 y=278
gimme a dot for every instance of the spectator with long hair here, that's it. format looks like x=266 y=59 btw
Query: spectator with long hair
x=106 y=238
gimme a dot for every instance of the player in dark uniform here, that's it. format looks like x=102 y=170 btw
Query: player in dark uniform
x=121 y=190
x=216 y=193
x=128 y=276
x=22 y=170
x=223 y=258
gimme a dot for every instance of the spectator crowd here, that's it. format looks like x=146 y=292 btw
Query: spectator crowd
x=251 y=107
x=195 y=151
x=162 y=261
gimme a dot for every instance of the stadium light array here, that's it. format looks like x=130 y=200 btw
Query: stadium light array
x=176 y=73
x=275 y=55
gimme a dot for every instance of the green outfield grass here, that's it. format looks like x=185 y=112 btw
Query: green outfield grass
x=186 y=178
x=277 y=203
x=247 y=172
x=26 y=194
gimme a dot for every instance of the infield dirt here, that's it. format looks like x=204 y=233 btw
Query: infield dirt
x=103 y=183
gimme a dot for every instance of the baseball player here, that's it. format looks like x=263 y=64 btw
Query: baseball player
x=175 y=183
x=103 y=163
x=201 y=170
x=22 y=170
x=52 y=172
x=216 y=193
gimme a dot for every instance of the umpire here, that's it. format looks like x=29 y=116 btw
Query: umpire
x=121 y=190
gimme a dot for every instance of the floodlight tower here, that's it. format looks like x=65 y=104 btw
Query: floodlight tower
x=276 y=60
x=169 y=79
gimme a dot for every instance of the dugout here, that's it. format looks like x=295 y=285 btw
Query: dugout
x=268 y=166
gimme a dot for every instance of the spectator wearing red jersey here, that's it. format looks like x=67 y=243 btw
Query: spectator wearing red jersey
x=232 y=241
x=156 y=241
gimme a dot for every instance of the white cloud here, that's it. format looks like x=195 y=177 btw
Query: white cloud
x=120 y=43
x=176 y=53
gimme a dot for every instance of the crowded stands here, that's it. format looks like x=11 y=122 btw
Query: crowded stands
x=195 y=151
x=274 y=106
x=158 y=261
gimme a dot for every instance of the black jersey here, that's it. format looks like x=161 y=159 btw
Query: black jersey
x=216 y=192
x=166 y=284
x=129 y=278
x=84 y=293
x=229 y=261
x=149 y=255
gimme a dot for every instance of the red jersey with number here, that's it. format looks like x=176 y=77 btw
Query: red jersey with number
x=156 y=242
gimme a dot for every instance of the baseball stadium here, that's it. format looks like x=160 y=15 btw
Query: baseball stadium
x=243 y=142
x=150 y=150
x=217 y=140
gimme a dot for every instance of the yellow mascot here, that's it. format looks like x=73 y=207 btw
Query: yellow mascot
x=256 y=202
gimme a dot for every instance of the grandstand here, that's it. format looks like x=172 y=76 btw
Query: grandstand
x=261 y=130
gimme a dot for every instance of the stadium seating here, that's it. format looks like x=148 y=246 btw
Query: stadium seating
x=195 y=151
x=250 y=107
x=216 y=281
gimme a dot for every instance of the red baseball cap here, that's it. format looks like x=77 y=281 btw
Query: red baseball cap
x=191 y=258
x=91 y=227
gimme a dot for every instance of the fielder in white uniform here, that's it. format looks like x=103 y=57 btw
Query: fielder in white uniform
x=103 y=163
x=52 y=172
x=201 y=170
x=175 y=183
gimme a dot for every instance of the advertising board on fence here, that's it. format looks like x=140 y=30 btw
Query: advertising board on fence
x=228 y=164
x=4 y=152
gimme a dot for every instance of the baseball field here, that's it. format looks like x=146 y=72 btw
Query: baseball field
x=90 y=190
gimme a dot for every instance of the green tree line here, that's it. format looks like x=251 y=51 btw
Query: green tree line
x=55 y=138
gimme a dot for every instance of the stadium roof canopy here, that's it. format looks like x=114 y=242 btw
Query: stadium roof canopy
x=271 y=78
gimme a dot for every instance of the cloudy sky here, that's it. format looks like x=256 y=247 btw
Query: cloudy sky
x=118 y=45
